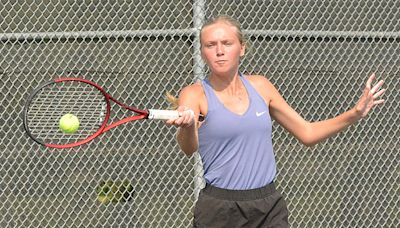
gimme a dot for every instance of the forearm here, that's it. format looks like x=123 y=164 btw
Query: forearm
x=188 y=139
x=321 y=130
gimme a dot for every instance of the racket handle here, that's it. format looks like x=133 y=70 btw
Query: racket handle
x=162 y=114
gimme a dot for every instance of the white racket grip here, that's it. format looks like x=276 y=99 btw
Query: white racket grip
x=156 y=114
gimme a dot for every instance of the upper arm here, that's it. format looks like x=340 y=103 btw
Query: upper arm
x=190 y=98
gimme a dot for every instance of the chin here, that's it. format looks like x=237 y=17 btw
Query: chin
x=223 y=70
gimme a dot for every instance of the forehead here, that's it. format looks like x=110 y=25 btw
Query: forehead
x=219 y=30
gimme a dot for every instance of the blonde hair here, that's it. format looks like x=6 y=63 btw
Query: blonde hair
x=172 y=100
x=228 y=20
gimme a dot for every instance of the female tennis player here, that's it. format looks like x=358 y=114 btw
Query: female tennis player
x=234 y=140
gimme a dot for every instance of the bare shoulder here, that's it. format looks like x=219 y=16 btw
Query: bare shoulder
x=193 y=90
x=258 y=80
x=193 y=96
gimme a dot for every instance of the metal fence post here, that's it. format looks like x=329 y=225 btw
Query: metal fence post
x=198 y=70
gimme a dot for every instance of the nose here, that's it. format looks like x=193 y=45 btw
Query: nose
x=220 y=50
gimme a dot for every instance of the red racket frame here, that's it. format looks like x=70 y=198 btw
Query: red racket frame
x=143 y=114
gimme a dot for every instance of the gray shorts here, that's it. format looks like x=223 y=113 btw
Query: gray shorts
x=261 y=207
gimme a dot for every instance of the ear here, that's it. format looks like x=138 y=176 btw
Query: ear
x=202 y=55
x=242 y=50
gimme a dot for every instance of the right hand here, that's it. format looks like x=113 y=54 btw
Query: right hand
x=185 y=119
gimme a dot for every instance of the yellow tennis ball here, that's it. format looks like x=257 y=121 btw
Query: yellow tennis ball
x=69 y=123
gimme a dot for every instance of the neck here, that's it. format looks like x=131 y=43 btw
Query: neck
x=227 y=83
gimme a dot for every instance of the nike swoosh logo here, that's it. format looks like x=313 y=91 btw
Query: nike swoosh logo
x=260 y=113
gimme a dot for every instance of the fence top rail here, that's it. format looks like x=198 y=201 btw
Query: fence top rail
x=4 y=37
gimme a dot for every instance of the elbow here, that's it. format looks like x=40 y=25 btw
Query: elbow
x=308 y=143
x=187 y=146
x=187 y=143
x=308 y=138
x=189 y=151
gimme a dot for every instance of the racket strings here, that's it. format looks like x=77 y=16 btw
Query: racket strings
x=57 y=99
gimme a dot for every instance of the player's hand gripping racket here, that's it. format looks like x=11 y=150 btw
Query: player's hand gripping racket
x=83 y=98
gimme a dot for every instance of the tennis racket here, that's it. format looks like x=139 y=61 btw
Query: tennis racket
x=83 y=98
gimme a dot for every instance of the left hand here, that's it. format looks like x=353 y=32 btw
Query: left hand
x=370 y=98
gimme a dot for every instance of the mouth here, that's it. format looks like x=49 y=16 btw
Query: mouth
x=221 y=61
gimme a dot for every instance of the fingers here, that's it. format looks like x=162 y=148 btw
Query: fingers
x=379 y=93
x=369 y=81
x=381 y=101
x=376 y=87
x=374 y=91
x=185 y=119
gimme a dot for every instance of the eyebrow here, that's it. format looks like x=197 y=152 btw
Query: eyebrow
x=222 y=41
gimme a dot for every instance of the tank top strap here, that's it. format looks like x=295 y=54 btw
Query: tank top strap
x=212 y=100
x=250 y=89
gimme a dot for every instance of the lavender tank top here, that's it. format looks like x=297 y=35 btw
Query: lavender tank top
x=236 y=150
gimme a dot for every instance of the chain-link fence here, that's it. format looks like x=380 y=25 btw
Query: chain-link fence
x=317 y=53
